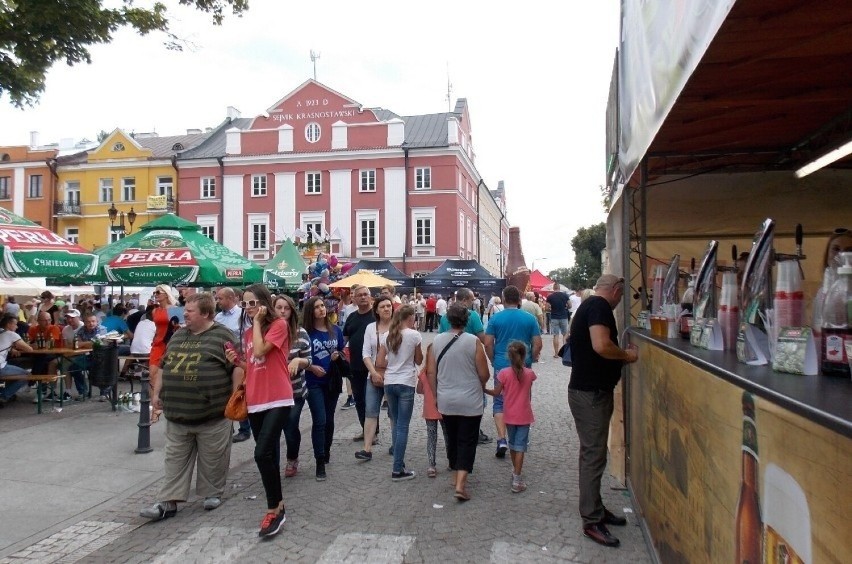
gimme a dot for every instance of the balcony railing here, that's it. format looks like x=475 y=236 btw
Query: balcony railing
x=67 y=208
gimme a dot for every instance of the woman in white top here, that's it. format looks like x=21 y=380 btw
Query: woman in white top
x=143 y=336
x=403 y=354
x=374 y=334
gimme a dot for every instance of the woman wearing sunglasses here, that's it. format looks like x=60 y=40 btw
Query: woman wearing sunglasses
x=164 y=299
x=269 y=394
x=298 y=359
x=326 y=340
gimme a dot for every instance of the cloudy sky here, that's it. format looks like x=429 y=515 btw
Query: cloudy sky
x=535 y=75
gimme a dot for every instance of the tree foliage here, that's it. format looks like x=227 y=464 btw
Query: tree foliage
x=35 y=34
x=588 y=244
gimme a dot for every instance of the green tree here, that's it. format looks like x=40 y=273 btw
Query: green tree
x=588 y=244
x=35 y=34
x=561 y=275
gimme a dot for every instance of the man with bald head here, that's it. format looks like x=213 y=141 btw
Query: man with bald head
x=41 y=334
x=597 y=360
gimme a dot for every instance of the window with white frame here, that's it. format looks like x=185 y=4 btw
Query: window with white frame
x=423 y=224
x=313 y=224
x=165 y=186
x=72 y=193
x=105 y=190
x=312 y=132
x=72 y=234
x=368 y=223
x=461 y=231
x=258 y=185
x=4 y=188
x=36 y=186
x=422 y=178
x=258 y=233
x=313 y=183
x=469 y=245
x=368 y=180
x=116 y=236
x=208 y=187
x=128 y=189
x=209 y=224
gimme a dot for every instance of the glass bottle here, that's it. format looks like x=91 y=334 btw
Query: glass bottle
x=749 y=526
x=836 y=330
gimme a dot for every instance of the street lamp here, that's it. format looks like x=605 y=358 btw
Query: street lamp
x=119 y=215
x=535 y=259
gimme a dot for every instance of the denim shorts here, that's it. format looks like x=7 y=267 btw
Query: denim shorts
x=496 y=401
x=519 y=437
x=373 y=400
x=559 y=326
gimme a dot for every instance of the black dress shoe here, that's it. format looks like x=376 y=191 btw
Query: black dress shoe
x=611 y=518
x=601 y=535
x=240 y=437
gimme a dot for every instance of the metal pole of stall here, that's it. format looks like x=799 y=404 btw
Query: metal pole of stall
x=143 y=444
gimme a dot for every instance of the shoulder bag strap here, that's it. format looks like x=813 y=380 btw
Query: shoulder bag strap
x=445 y=349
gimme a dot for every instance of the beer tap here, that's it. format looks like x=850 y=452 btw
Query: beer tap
x=798 y=257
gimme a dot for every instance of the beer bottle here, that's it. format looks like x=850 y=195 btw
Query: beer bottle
x=749 y=541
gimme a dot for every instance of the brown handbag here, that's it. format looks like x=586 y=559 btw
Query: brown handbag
x=237 y=409
x=380 y=367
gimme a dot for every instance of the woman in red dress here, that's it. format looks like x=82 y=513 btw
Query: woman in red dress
x=165 y=299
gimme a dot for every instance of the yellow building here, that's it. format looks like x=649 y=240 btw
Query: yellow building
x=133 y=175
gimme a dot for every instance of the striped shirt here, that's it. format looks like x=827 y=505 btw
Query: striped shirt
x=300 y=348
x=196 y=375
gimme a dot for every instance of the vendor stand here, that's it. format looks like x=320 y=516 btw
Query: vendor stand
x=727 y=461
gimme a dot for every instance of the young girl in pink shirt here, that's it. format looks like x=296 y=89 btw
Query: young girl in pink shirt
x=432 y=417
x=515 y=383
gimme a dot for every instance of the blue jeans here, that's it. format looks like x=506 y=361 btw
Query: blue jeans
x=400 y=406
x=292 y=435
x=13 y=386
x=322 y=404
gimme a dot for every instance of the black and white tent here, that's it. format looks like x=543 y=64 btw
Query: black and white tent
x=456 y=273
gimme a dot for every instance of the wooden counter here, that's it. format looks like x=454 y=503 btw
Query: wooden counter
x=685 y=433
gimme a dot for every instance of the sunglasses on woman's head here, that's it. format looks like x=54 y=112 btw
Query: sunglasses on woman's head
x=249 y=303
x=840 y=231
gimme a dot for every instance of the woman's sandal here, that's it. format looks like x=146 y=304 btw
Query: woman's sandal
x=462 y=495
x=431 y=472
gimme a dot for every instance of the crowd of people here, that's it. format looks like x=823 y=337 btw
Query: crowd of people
x=49 y=322
x=285 y=356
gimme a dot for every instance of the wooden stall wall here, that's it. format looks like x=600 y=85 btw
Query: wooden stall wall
x=686 y=470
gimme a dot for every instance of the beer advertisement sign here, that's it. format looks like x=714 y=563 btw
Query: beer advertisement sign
x=159 y=255
x=29 y=249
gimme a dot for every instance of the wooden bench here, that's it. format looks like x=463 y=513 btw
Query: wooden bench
x=40 y=379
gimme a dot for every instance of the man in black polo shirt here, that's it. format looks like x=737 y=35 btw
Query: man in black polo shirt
x=353 y=332
x=597 y=362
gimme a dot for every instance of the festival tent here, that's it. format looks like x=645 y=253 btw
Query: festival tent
x=285 y=269
x=30 y=250
x=385 y=269
x=539 y=281
x=172 y=250
x=453 y=274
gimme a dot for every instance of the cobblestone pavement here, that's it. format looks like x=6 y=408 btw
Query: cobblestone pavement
x=359 y=515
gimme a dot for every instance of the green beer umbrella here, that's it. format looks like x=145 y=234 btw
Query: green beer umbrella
x=171 y=250
x=29 y=249
x=286 y=268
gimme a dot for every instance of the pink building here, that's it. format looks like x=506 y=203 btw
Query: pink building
x=377 y=185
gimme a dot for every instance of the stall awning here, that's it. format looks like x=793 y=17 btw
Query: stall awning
x=772 y=92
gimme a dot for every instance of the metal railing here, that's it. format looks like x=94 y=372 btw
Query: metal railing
x=67 y=208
